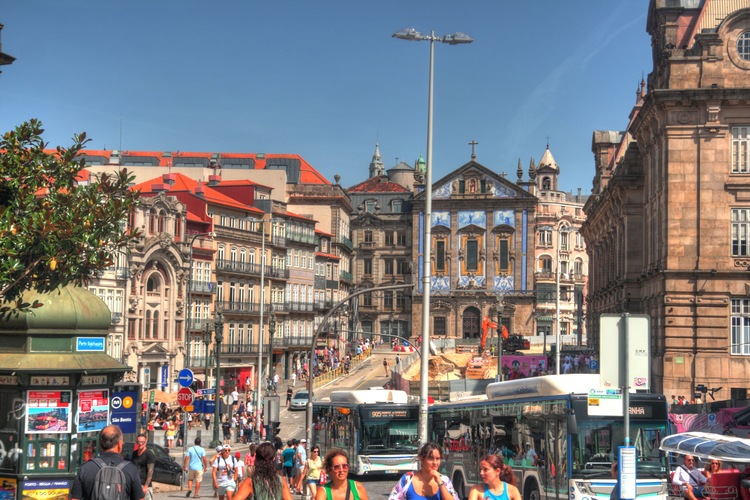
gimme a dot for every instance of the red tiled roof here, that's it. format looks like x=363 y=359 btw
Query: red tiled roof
x=379 y=184
x=308 y=174
x=323 y=233
x=296 y=216
x=327 y=255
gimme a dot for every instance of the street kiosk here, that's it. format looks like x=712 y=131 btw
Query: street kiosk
x=57 y=388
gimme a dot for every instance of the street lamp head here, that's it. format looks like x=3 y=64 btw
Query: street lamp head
x=409 y=34
x=219 y=327
x=272 y=324
x=457 y=38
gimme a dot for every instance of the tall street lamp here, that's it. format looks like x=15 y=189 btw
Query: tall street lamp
x=454 y=39
x=271 y=331
x=561 y=230
x=218 y=339
x=206 y=341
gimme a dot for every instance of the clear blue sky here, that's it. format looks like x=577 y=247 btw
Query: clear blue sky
x=324 y=79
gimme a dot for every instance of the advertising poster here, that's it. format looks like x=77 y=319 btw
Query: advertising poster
x=515 y=367
x=48 y=411
x=7 y=488
x=46 y=489
x=93 y=410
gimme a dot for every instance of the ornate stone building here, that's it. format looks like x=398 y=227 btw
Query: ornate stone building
x=668 y=227
x=483 y=230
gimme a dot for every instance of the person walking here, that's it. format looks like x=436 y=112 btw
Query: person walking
x=385 y=366
x=287 y=458
x=224 y=473
x=300 y=459
x=497 y=479
x=144 y=459
x=195 y=465
x=312 y=470
x=264 y=483
x=289 y=392
x=427 y=482
x=110 y=444
x=340 y=487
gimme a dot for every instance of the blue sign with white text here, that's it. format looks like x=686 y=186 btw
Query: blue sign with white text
x=164 y=375
x=90 y=344
x=124 y=411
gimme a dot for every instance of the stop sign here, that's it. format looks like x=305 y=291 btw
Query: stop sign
x=185 y=396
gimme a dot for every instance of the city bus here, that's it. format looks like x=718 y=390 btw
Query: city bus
x=572 y=443
x=377 y=428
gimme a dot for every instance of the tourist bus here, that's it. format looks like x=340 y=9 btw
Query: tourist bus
x=566 y=427
x=377 y=428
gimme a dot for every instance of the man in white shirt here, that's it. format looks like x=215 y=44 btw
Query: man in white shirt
x=689 y=479
x=531 y=456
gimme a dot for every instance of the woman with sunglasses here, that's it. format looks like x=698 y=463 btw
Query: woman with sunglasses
x=340 y=487
x=712 y=467
x=311 y=472
x=427 y=483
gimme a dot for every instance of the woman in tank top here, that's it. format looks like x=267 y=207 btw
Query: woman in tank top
x=427 y=483
x=340 y=487
x=497 y=481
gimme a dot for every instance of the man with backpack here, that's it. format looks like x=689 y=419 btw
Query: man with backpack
x=109 y=476
x=144 y=459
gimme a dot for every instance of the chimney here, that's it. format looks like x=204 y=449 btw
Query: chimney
x=199 y=191
x=159 y=187
x=214 y=180
x=169 y=179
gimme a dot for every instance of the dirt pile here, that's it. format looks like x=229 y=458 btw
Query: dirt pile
x=445 y=366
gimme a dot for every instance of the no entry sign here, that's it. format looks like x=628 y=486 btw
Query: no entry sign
x=185 y=396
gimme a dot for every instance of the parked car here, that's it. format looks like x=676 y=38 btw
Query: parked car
x=299 y=400
x=166 y=469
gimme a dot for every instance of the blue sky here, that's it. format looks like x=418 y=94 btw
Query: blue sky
x=325 y=79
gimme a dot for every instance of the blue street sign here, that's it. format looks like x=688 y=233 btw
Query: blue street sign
x=206 y=392
x=90 y=344
x=124 y=411
x=164 y=375
x=185 y=377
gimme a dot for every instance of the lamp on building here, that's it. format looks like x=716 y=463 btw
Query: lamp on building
x=454 y=39
x=218 y=339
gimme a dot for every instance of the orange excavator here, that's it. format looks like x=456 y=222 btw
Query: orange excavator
x=487 y=323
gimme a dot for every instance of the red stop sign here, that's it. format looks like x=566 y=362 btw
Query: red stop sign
x=185 y=396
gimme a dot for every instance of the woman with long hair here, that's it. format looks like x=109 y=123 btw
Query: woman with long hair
x=498 y=481
x=340 y=487
x=427 y=483
x=264 y=483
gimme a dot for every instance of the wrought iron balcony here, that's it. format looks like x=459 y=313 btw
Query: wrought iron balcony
x=197 y=324
x=343 y=240
x=300 y=306
x=203 y=287
x=292 y=341
x=347 y=276
x=322 y=305
x=242 y=349
x=300 y=238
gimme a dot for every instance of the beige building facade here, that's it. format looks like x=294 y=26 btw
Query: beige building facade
x=668 y=228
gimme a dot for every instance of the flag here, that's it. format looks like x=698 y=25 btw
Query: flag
x=505 y=332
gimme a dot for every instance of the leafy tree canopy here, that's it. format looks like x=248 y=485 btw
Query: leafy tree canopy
x=55 y=228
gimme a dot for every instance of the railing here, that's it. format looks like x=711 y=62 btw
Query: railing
x=279 y=241
x=277 y=272
x=347 y=276
x=300 y=306
x=343 y=240
x=322 y=305
x=300 y=238
x=122 y=273
x=291 y=341
x=331 y=375
x=203 y=286
x=246 y=349
x=200 y=361
x=240 y=307
x=234 y=266
x=197 y=324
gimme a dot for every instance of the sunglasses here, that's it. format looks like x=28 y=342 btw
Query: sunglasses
x=339 y=467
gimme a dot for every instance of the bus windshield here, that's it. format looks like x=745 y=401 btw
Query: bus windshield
x=595 y=447
x=388 y=435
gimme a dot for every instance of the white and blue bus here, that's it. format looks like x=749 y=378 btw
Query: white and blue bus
x=377 y=428
x=572 y=444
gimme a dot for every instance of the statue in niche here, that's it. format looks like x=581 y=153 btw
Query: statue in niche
x=473 y=186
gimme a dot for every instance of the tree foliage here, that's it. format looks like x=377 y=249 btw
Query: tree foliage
x=55 y=229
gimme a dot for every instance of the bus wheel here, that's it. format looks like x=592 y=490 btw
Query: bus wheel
x=458 y=486
x=531 y=490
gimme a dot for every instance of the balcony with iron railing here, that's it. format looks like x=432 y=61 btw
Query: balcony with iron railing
x=203 y=286
x=344 y=241
x=323 y=305
x=235 y=307
x=242 y=349
x=197 y=324
x=294 y=237
x=300 y=306
x=346 y=276
x=237 y=267
x=292 y=341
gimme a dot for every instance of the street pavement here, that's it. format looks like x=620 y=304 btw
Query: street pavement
x=369 y=373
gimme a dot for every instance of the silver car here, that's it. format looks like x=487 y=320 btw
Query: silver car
x=299 y=401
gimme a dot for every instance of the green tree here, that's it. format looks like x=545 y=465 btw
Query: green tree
x=55 y=228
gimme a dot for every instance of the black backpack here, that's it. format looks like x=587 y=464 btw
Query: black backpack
x=110 y=481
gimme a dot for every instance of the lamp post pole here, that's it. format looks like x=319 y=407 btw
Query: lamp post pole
x=456 y=38
x=271 y=331
x=206 y=342
x=218 y=339
x=259 y=375
x=560 y=230
x=500 y=309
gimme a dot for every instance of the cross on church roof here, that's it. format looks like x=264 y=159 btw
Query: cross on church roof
x=473 y=154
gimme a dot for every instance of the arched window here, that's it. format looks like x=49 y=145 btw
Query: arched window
x=147 y=332
x=178 y=227
x=546 y=183
x=743 y=46
x=155 y=329
x=152 y=221
x=162 y=220
x=545 y=264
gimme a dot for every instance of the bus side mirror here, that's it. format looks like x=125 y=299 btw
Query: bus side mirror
x=572 y=422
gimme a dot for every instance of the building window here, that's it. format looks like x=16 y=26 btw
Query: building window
x=503 y=254
x=740 y=229
x=472 y=255
x=741 y=326
x=368 y=236
x=389 y=238
x=368 y=266
x=400 y=299
x=743 y=46
x=740 y=160
x=545 y=237
x=439 y=325
x=396 y=206
x=388 y=266
x=461 y=186
x=401 y=238
x=440 y=255
x=403 y=266
x=545 y=265
x=367 y=299
x=578 y=268
x=564 y=245
x=370 y=206
x=388 y=299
